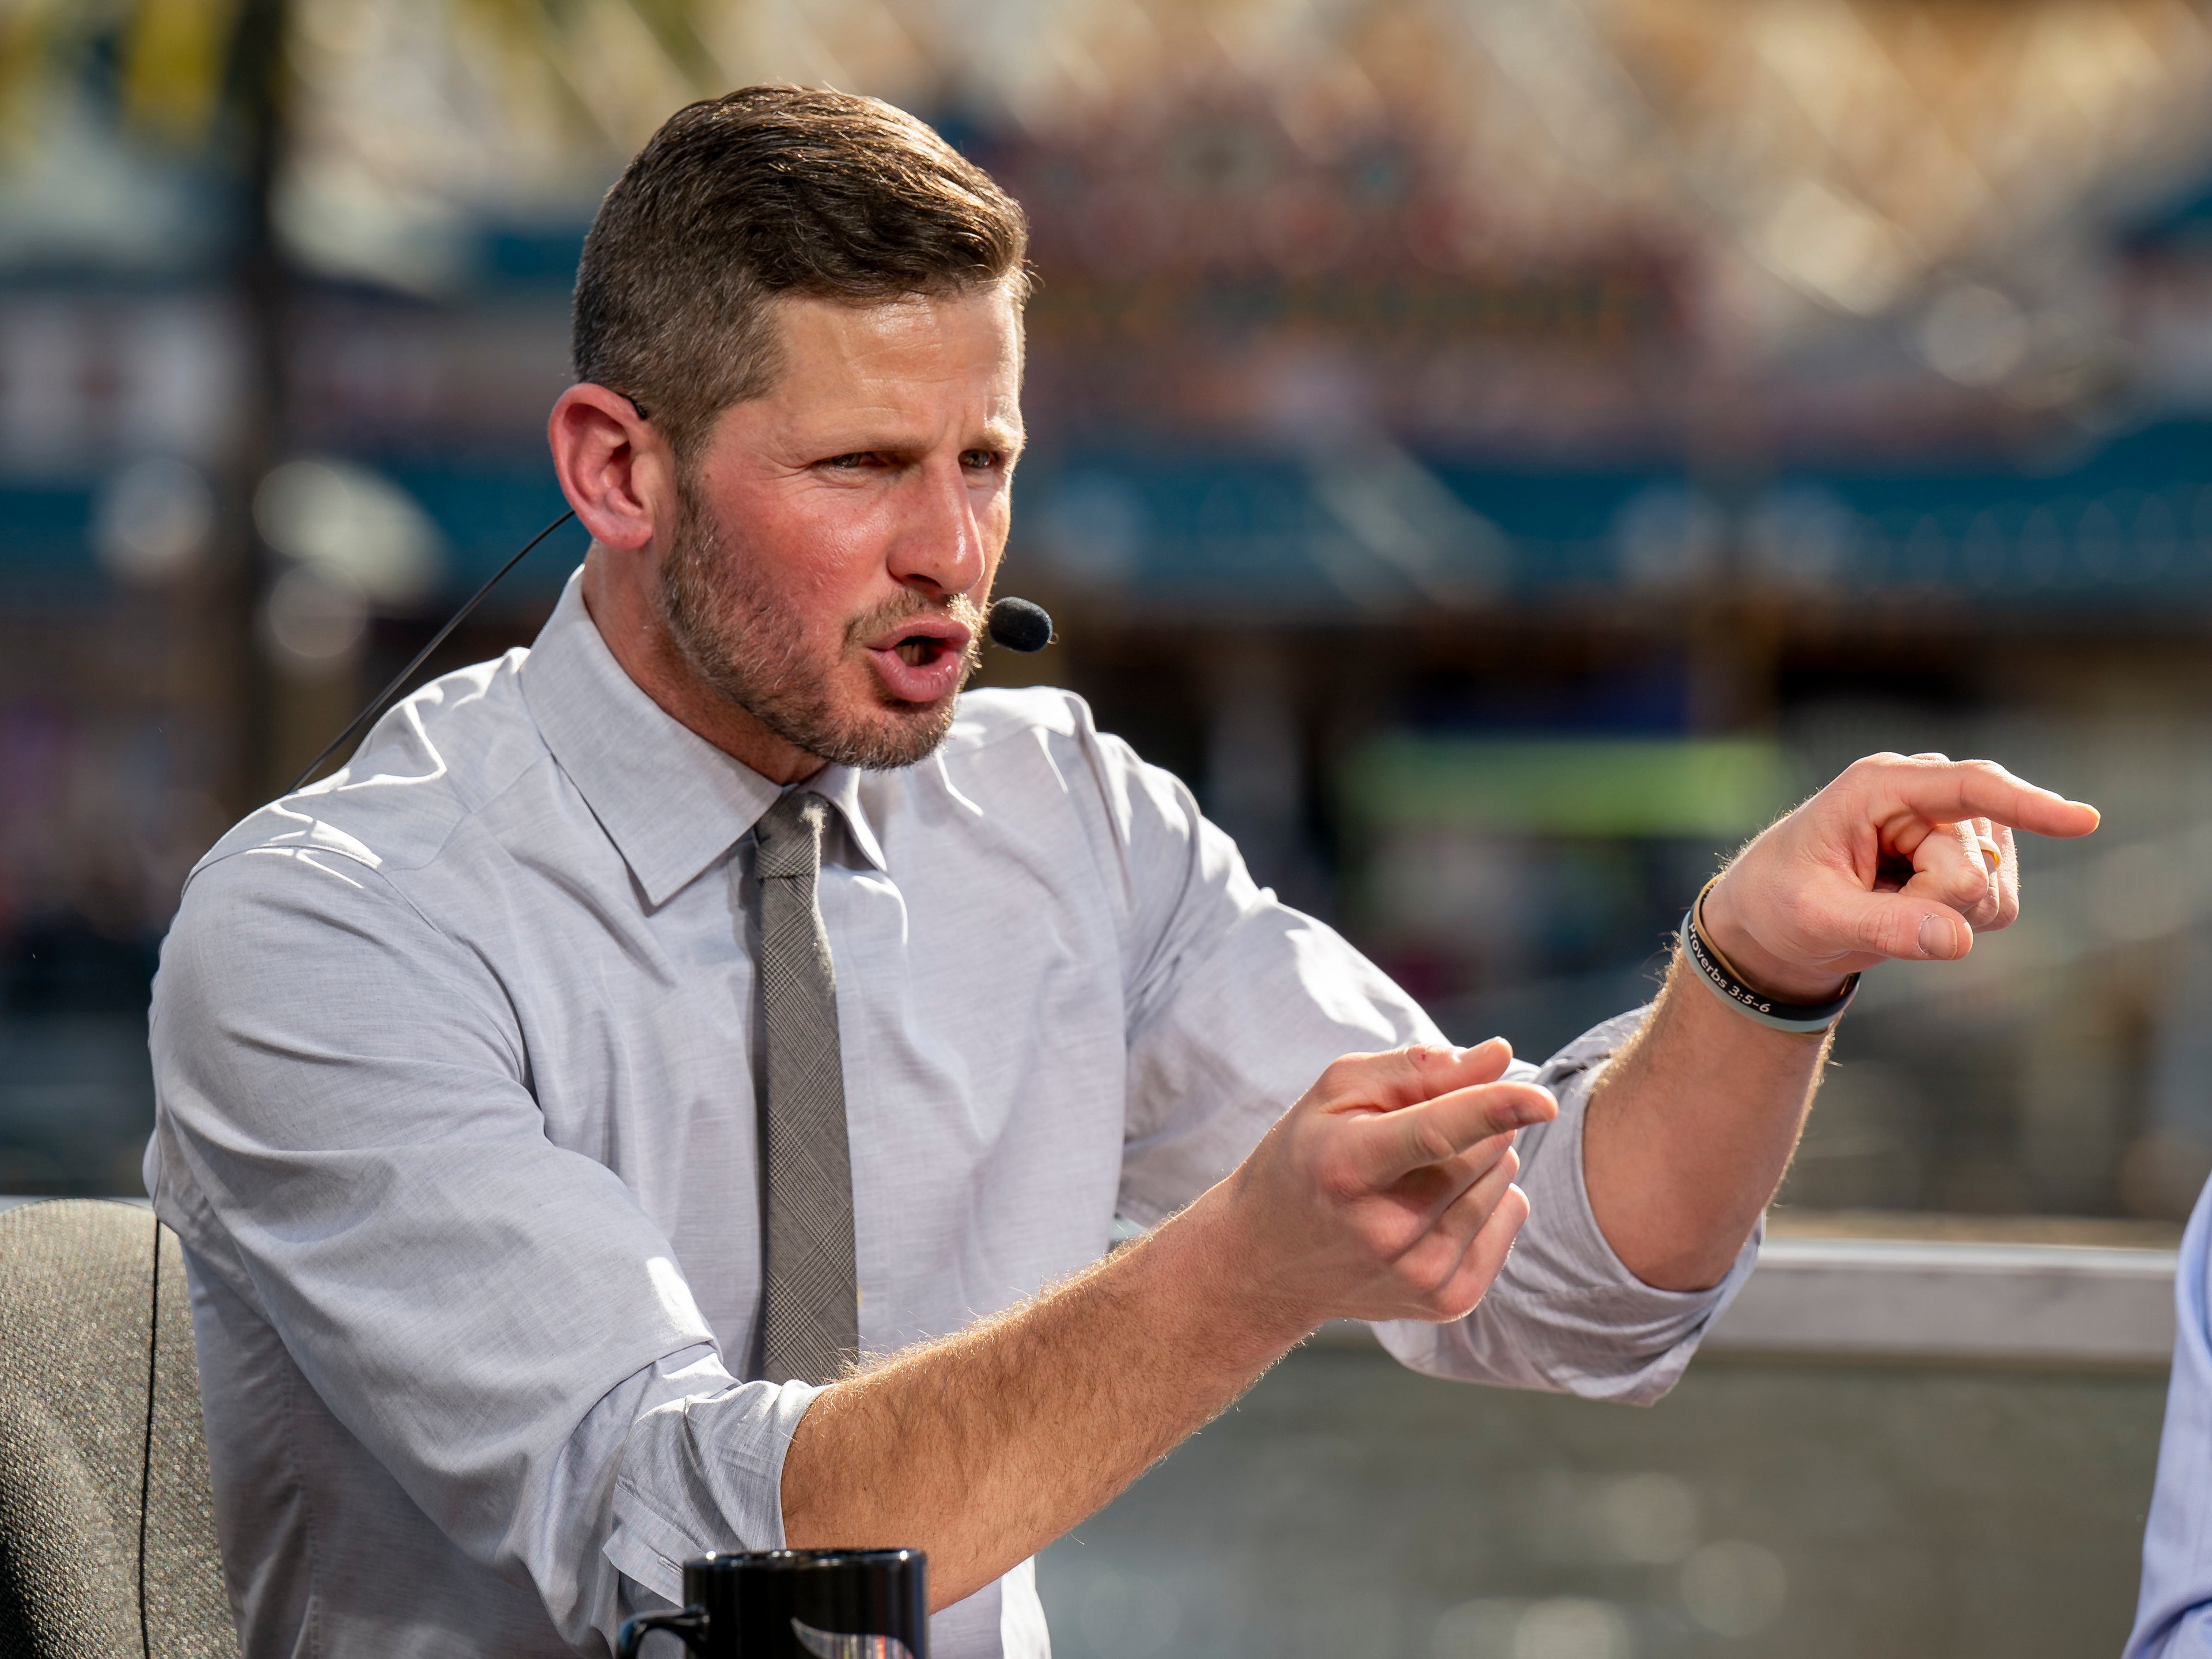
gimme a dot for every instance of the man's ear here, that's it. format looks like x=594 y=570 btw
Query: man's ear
x=613 y=466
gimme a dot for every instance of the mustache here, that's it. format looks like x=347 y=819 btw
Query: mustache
x=959 y=608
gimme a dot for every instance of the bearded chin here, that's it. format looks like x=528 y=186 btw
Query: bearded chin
x=745 y=643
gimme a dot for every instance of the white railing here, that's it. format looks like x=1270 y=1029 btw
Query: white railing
x=1909 y=1299
x=1941 y=1302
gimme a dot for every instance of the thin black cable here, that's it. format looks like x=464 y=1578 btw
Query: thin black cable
x=146 y=1459
x=385 y=696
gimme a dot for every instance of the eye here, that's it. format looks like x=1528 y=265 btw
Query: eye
x=859 y=460
x=981 y=461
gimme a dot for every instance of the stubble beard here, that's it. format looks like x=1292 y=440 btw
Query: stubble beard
x=746 y=643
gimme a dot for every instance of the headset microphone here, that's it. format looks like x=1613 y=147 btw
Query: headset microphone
x=1018 y=624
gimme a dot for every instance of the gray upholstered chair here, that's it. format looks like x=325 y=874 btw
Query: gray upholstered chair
x=81 y=1481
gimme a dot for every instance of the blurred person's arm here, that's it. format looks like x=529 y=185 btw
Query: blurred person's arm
x=1689 y=1129
x=2173 y=1609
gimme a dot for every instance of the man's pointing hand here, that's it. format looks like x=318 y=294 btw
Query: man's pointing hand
x=1902 y=856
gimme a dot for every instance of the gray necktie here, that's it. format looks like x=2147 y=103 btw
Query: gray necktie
x=810 y=1306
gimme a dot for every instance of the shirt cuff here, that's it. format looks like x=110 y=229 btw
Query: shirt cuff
x=1566 y=1314
x=702 y=1471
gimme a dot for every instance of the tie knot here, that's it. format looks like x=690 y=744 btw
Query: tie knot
x=789 y=837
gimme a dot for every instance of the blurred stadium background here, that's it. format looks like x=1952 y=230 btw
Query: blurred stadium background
x=1499 y=451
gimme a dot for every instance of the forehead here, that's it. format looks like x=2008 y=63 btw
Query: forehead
x=918 y=349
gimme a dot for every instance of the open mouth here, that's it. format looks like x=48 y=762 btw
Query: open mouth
x=921 y=660
x=920 y=650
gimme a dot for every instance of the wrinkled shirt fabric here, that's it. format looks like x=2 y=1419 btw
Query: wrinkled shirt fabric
x=455 y=1061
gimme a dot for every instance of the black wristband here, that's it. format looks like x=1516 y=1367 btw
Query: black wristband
x=1802 y=1017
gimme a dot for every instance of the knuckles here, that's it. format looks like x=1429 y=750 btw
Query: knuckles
x=1388 y=1239
x=1966 y=889
x=1429 y=1141
x=1374 y=1077
x=1889 y=760
x=1459 y=1307
x=1341 y=1077
x=1340 y=1177
x=1929 y=762
x=1877 y=763
x=1424 y=1278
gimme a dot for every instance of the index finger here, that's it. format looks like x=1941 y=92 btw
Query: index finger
x=1946 y=792
x=1393 y=1145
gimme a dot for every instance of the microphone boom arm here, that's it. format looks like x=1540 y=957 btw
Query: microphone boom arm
x=377 y=704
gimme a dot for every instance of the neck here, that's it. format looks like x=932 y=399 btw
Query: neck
x=633 y=630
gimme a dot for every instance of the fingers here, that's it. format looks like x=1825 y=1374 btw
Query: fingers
x=1391 y=1145
x=1485 y=1257
x=1994 y=841
x=1430 y=1274
x=1939 y=791
x=1986 y=843
x=2008 y=875
x=1404 y=1076
x=1437 y=1192
x=1951 y=867
x=1478 y=1196
x=1904 y=925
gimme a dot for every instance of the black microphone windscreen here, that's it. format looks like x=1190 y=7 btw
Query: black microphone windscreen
x=1020 y=625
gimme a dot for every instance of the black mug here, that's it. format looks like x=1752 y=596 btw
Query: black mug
x=798 y=1604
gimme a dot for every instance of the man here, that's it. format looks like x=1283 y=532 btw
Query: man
x=643 y=1027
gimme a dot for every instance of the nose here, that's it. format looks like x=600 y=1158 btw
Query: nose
x=939 y=544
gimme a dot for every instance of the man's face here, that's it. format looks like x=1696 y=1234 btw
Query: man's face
x=837 y=539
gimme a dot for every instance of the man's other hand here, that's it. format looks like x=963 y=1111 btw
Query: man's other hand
x=1387 y=1191
x=1902 y=856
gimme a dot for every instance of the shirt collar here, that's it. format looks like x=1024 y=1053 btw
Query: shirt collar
x=671 y=802
x=841 y=786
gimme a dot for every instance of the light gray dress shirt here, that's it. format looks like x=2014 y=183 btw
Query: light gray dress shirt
x=454 y=1055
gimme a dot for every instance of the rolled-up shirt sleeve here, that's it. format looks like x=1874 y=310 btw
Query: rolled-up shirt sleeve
x=699 y=1459
x=1237 y=1004
x=1566 y=1314
x=347 y=1139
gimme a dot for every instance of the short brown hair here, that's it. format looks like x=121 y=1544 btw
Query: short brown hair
x=764 y=191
